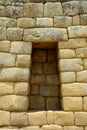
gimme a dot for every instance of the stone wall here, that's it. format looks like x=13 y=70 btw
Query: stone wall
x=24 y=23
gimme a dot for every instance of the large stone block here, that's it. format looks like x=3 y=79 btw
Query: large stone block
x=14 y=103
x=82 y=76
x=19 y=119
x=45 y=34
x=70 y=65
x=6 y=88
x=4 y=46
x=21 y=47
x=83 y=19
x=8 y=22
x=81 y=52
x=73 y=128
x=76 y=20
x=33 y=10
x=50 y=117
x=37 y=118
x=52 y=9
x=2 y=33
x=51 y=127
x=5 y=2
x=77 y=31
x=7 y=60
x=14 y=74
x=4 y=118
x=44 y=22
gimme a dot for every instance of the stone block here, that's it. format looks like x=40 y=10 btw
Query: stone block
x=72 y=103
x=4 y=118
x=52 y=55
x=22 y=88
x=19 y=119
x=2 y=33
x=45 y=34
x=7 y=60
x=14 y=103
x=57 y=9
x=35 y=89
x=76 y=20
x=4 y=46
x=38 y=79
x=81 y=118
x=51 y=127
x=67 y=77
x=82 y=76
x=50 y=117
x=85 y=103
x=37 y=103
x=44 y=22
x=52 y=79
x=85 y=64
x=64 y=118
x=8 y=22
x=2 y=11
x=21 y=47
x=14 y=74
x=73 y=128
x=31 y=128
x=37 y=67
x=6 y=88
x=26 y=23
x=14 y=34
x=23 y=61
x=83 y=7
x=72 y=43
x=81 y=52
x=77 y=31
x=5 y=2
x=66 y=53
x=33 y=10
x=83 y=19
x=37 y=118
x=70 y=65
x=62 y=21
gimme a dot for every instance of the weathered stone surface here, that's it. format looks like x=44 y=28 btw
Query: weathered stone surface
x=81 y=118
x=37 y=67
x=30 y=128
x=85 y=103
x=64 y=118
x=62 y=21
x=14 y=34
x=73 y=128
x=26 y=23
x=46 y=34
x=33 y=10
x=23 y=61
x=74 y=89
x=4 y=46
x=19 y=119
x=52 y=9
x=67 y=77
x=21 y=47
x=4 y=118
x=22 y=88
x=77 y=31
x=6 y=88
x=37 y=118
x=51 y=127
x=83 y=19
x=35 y=89
x=50 y=117
x=81 y=52
x=38 y=79
x=14 y=103
x=2 y=10
x=2 y=33
x=7 y=60
x=85 y=64
x=14 y=74
x=7 y=22
x=66 y=53
x=5 y=2
x=52 y=79
x=82 y=76
x=72 y=43
x=70 y=65
x=44 y=22
x=76 y=20
x=72 y=103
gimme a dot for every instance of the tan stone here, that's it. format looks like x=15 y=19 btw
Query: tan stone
x=37 y=118
x=14 y=74
x=72 y=43
x=22 y=88
x=57 y=9
x=76 y=20
x=23 y=61
x=72 y=103
x=2 y=33
x=2 y=10
x=4 y=46
x=85 y=103
x=44 y=22
x=35 y=89
x=33 y=10
x=50 y=117
x=41 y=35
x=7 y=60
x=74 y=89
x=82 y=76
x=14 y=34
x=83 y=19
x=14 y=103
x=85 y=63
x=51 y=127
x=67 y=77
x=70 y=65
x=81 y=52
x=19 y=119
x=31 y=128
x=6 y=88
x=8 y=22
x=81 y=118
x=26 y=23
x=73 y=128
x=86 y=128
x=77 y=31
x=64 y=118
x=38 y=79
x=52 y=79
x=21 y=47
x=4 y=118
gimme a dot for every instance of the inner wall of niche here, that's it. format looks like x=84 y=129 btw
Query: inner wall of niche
x=44 y=81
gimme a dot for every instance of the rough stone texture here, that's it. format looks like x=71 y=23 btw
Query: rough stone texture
x=85 y=64
x=51 y=127
x=35 y=89
x=85 y=103
x=3 y=2
x=14 y=103
x=2 y=10
x=38 y=79
x=73 y=128
x=76 y=20
x=31 y=128
x=4 y=46
x=50 y=117
x=82 y=76
x=81 y=52
x=37 y=118
x=46 y=34
x=2 y=33
x=83 y=19
x=4 y=118
x=52 y=79
x=44 y=22
x=7 y=22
